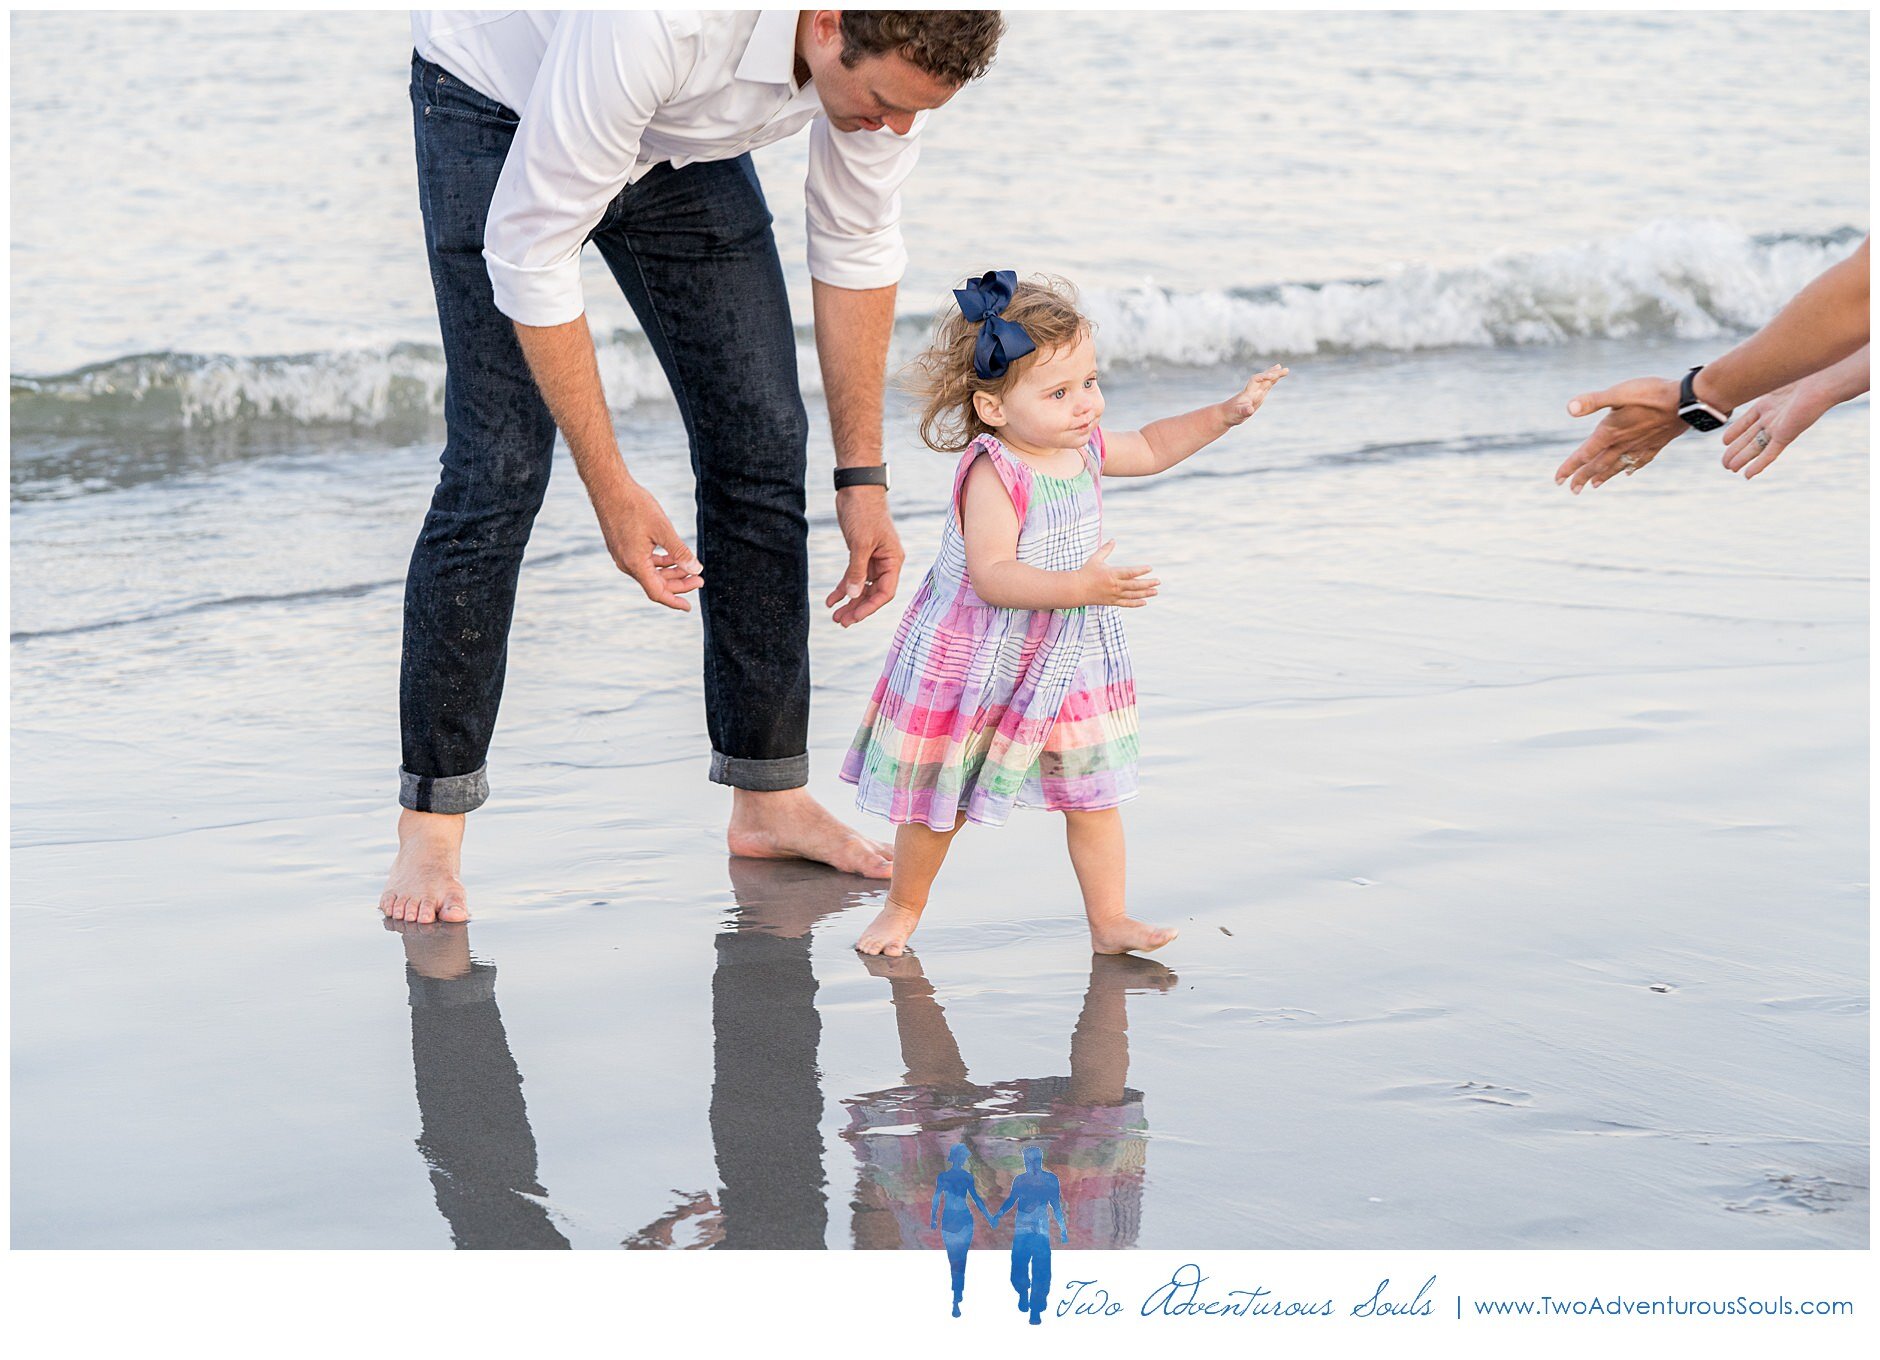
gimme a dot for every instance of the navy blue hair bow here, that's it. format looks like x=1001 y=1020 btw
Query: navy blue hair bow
x=1001 y=343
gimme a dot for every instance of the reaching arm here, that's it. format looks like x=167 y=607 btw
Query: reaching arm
x=974 y=1192
x=639 y=536
x=603 y=76
x=991 y=525
x=1823 y=324
x=1057 y=1208
x=853 y=326
x=1161 y=444
x=1843 y=382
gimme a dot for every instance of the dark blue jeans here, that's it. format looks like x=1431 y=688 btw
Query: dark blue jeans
x=693 y=252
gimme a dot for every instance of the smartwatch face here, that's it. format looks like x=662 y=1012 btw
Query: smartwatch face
x=1699 y=419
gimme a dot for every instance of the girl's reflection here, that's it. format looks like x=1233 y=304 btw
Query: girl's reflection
x=1090 y=1124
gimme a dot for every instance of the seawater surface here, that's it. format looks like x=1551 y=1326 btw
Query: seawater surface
x=1518 y=841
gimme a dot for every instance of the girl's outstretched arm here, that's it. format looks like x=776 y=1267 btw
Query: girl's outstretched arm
x=983 y=1213
x=991 y=524
x=1161 y=444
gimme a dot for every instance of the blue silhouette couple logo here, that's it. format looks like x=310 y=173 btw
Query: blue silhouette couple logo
x=1035 y=1198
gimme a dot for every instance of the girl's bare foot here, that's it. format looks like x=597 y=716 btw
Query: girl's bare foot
x=423 y=885
x=1130 y=936
x=888 y=932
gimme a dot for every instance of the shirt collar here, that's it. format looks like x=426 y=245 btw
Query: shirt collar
x=770 y=57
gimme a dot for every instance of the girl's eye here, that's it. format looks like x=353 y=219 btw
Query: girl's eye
x=1057 y=394
x=1090 y=382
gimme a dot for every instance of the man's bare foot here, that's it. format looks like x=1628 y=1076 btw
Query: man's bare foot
x=888 y=932
x=423 y=885
x=789 y=824
x=1130 y=935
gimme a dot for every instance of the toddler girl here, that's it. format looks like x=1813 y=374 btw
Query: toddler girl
x=1009 y=683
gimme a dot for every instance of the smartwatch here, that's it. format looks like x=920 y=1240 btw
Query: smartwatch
x=862 y=476
x=1699 y=415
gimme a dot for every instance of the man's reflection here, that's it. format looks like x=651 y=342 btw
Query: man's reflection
x=474 y=1132
x=767 y=1100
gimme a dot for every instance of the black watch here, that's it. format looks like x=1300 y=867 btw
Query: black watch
x=1699 y=415
x=862 y=476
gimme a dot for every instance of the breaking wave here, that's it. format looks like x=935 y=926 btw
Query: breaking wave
x=1684 y=279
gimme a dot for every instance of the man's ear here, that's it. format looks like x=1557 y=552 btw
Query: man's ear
x=990 y=409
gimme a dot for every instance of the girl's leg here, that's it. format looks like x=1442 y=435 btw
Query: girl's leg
x=1096 y=845
x=919 y=851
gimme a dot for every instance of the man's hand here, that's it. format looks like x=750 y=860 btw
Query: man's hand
x=645 y=545
x=875 y=554
x=1644 y=418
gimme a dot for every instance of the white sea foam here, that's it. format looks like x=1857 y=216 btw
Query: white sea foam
x=1691 y=280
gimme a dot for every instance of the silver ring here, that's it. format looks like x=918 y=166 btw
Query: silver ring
x=1627 y=461
x=1761 y=441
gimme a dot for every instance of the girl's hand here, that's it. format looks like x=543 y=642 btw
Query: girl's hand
x=1758 y=433
x=1124 y=587
x=1238 y=408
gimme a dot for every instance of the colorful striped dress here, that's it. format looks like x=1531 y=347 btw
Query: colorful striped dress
x=982 y=709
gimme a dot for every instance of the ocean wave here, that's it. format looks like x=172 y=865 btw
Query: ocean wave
x=1684 y=279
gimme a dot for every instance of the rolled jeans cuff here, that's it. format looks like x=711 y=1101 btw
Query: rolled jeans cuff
x=450 y=794
x=760 y=776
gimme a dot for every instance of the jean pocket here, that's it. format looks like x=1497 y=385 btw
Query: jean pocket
x=445 y=96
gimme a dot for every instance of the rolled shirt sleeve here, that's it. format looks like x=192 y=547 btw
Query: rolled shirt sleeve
x=603 y=76
x=853 y=199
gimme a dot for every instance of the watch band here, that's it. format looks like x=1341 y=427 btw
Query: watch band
x=862 y=476
x=1698 y=414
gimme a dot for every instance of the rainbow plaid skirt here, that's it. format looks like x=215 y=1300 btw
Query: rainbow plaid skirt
x=982 y=709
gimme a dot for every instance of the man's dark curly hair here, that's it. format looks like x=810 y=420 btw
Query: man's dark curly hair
x=954 y=45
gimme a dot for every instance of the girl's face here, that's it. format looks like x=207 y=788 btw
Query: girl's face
x=1054 y=405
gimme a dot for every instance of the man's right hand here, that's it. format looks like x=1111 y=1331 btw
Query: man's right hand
x=646 y=546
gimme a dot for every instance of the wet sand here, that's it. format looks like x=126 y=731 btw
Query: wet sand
x=1518 y=845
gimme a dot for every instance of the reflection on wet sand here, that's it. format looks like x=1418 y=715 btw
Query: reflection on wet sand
x=767 y=1096
x=1089 y=1124
x=474 y=1134
x=767 y=1101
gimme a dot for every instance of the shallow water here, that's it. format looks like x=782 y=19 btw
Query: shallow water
x=1518 y=841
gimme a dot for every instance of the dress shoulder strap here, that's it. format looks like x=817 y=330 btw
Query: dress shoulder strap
x=1015 y=476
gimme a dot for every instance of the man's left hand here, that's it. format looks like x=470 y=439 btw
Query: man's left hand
x=1643 y=419
x=875 y=554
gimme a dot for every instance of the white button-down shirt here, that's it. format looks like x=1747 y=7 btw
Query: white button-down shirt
x=604 y=97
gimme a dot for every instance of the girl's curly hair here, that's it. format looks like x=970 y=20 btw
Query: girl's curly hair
x=945 y=381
